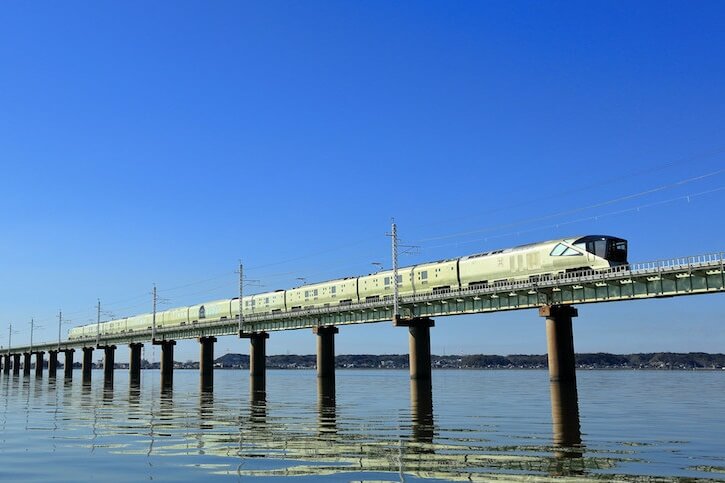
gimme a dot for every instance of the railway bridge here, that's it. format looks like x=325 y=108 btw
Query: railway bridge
x=554 y=298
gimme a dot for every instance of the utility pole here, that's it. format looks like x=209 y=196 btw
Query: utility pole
x=408 y=249
x=394 y=237
x=10 y=337
x=98 y=324
x=241 y=293
x=153 y=319
x=31 y=334
x=60 y=321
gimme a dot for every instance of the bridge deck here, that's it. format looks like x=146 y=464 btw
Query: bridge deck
x=663 y=278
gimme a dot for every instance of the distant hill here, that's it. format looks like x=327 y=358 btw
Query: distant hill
x=601 y=360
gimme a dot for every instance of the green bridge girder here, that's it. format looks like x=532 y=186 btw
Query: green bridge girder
x=664 y=278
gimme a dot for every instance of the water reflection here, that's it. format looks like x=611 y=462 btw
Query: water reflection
x=6 y=382
x=368 y=436
x=52 y=384
x=134 y=393
x=108 y=393
x=68 y=397
x=565 y=418
x=85 y=390
x=566 y=430
x=166 y=416
x=257 y=408
x=206 y=410
x=421 y=413
x=326 y=406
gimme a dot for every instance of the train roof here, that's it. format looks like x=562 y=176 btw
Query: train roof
x=574 y=239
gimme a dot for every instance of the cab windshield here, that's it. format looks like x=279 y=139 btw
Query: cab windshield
x=611 y=249
x=616 y=250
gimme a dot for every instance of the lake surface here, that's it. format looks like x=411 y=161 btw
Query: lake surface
x=478 y=426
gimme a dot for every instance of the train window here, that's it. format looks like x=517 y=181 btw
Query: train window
x=569 y=252
x=558 y=250
x=598 y=247
x=424 y=275
x=333 y=289
x=386 y=280
x=315 y=293
x=617 y=251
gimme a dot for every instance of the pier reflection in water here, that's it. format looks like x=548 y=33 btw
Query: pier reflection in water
x=466 y=426
x=566 y=429
x=326 y=406
x=421 y=413
x=565 y=419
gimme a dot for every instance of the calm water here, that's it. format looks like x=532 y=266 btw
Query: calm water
x=479 y=426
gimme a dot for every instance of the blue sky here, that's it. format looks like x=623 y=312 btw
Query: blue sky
x=159 y=143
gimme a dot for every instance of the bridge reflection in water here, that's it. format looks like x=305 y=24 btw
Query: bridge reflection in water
x=385 y=431
x=417 y=450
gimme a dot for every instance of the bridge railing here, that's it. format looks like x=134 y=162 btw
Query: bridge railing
x=699 y=261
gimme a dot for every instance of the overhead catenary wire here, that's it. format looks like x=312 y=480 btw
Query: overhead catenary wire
x=637 y=208
x=580 y=209
x=585 y=188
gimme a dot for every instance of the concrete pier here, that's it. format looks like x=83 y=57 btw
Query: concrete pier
x=68 y=365
x=326 y=351
x=419 y=346
x=206 y=363
x=134 y=363
x=167 y=362
x=257 y=359
x=52 y=363
x=16 y=364
x=87 y=364
x=7 y=363
x=326 y=365
x=39 y=363
x=560 y=342
x=109 y=359
x=26 y=363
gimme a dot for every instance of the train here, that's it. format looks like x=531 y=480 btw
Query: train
x=532 y=262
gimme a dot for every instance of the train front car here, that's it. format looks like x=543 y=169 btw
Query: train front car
x=609 y=248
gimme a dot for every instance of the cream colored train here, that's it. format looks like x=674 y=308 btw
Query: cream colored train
x=526 y=262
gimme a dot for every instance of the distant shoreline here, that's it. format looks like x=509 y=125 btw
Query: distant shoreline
x=585 y=361
x=654 y=369
x=656 y=361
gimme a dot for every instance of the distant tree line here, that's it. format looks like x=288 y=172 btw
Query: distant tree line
x=601 y=360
